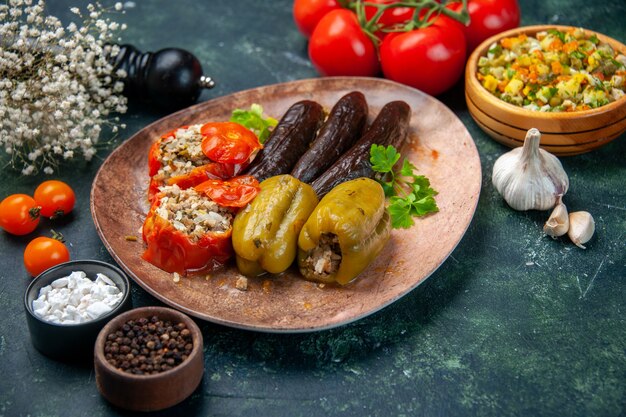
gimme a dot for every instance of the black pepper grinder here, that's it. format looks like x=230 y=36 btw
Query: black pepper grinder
x=172 y=77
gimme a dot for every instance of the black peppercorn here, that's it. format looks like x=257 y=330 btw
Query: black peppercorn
x=148 y=346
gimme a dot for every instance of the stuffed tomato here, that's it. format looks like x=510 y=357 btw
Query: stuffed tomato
x=188 y=231
x=190 y=155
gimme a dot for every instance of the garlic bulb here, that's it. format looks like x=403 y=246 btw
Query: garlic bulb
x=530 y=178
x=581 y=228
x=558 y=223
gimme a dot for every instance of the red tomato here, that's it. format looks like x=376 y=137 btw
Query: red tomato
x=56 y=198
x=488 y=18
x=390 y=17
x=236 y=192
x=19 y=214
x=228 y=142
x=43 y=253
x=431 y=59
x=338 y=46
x=308 y=13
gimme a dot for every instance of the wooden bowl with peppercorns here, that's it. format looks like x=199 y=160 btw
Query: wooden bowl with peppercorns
x=148 y=359
x=558 y=79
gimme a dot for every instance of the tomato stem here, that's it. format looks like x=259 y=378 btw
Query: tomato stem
x=418 y=21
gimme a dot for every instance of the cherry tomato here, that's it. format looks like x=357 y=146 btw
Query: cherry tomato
x=56 y=198
x=390 y=17
x=235 y=192
x=431 y=59
x=43 y=253
x=308 y=13
x=19 y=214
x=488 y=18
x=338 y=46
x=228 y=142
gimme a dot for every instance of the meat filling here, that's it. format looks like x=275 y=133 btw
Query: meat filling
x=324 y=260
x=192 y=213
x=181 y=153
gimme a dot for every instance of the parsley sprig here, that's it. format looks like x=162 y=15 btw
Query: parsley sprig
x=410 y=195
x=254 y=120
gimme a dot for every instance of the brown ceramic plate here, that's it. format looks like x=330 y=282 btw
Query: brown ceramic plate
x=441 y=148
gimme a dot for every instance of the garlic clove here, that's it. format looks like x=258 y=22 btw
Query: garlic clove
x=581 y=228
x=558 y=222
x=530 y=178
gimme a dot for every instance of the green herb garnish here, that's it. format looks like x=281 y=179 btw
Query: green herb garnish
x=253 y=119
x=558 y=34
x=594 y=39
x=410 y=195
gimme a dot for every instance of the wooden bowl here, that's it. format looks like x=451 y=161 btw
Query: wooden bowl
x=563 y=133
x=149 y=392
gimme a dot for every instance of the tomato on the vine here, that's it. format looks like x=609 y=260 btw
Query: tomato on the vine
x=55 y=198
x=390 y=17
x=488 y=18
x=431 y=59
x=308 y=13
x=43 y=253
x=19 y=214
x=338 y=46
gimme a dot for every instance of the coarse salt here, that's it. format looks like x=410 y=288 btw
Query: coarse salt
x=76 y=299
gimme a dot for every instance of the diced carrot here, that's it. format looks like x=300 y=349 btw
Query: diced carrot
x=538 y=54
x=557 y=68
x=507 y=43
x=555 y=45
x=570 y=47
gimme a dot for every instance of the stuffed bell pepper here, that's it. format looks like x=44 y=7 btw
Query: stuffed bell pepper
x=190 y=155
x=265 y=233
x=345 y=232
x=189 y=230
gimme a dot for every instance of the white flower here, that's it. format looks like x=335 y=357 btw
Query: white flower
x=118 y=6
x=58 y=110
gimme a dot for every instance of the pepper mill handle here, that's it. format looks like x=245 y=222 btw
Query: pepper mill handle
x=170 y=77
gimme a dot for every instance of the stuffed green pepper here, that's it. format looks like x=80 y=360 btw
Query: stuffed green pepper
x=346 y=231
x=265 y=233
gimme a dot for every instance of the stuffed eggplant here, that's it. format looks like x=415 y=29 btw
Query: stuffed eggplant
x=390 y=127
x=346 y=231
x=288 y=141
x=265 y=233
x=344 y=125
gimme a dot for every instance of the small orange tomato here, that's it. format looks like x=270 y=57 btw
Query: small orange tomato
x=56 y=198
x=43 y=253
x=19 y=214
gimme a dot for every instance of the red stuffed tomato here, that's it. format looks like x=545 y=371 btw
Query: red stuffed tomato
x=228 y=142
x=235 y=192
x=431 y=59
x=308 y=13
x=488 y=18
x=338 y=46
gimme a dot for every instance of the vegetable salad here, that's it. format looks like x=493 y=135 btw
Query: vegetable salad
x=554 y=71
